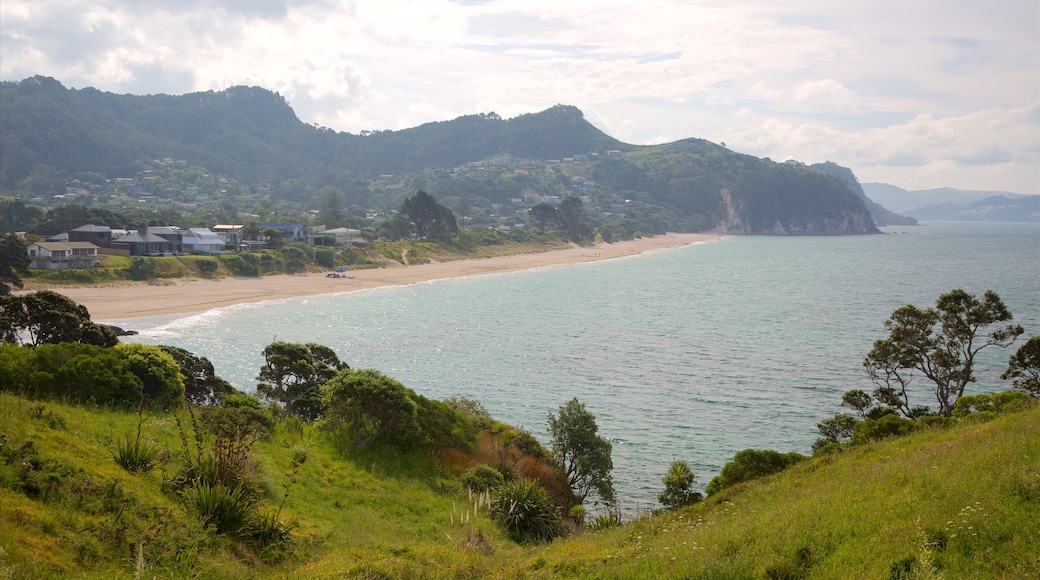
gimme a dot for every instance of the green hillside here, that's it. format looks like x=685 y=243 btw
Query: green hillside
x=959 y=502
x=243 y=150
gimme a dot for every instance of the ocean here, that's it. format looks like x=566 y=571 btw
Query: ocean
x=690 y=353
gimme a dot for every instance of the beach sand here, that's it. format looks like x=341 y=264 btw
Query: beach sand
x=140 y=299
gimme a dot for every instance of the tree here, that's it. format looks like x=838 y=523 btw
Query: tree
x=201 y=384
x=427 y=217
x=371 y=406
x=583 y=455
x=939 y=344
x=159 y=373
x=332 y=212
x=46 y=317
x=572 y=219
x=858 y=400
x=837 y=429
x=251 y=231
x=292 y=375
x=1024 y=367
x=542 y=215
x=678 y=487
x=14 y=263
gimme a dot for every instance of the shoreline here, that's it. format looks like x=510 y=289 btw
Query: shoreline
x=193 y=295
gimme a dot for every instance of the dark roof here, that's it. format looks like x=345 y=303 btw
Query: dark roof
x=139 y=238
x=92 y=228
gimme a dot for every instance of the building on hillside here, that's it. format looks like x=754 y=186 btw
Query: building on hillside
x=172 y=234
x=230 y=233
x=98 y=235
x=289 y=232
x=319 y=236
x=63 y=255
x=202 y=241
x=143 y=244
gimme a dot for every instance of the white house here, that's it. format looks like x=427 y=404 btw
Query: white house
x=340 y=236
x=202 y=241
x=62 y=255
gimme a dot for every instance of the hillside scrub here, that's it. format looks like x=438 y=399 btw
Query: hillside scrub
x=68 y=509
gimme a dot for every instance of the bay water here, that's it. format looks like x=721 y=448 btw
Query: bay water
x=690 y=353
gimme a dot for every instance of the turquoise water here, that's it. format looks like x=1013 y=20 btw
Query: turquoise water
x=693 y=353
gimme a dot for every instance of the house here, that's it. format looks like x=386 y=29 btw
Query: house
x=230 y=233
x=97 y=235
x=143 y=244
x=63 y=255
x=172 y=234
x=319 y=236
x=202 y=241
x=289 y=232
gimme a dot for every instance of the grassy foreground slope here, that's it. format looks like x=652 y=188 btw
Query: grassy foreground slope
x=961 y=502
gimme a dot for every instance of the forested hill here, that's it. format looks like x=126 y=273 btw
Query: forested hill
x=250 y=133
x=50 y=134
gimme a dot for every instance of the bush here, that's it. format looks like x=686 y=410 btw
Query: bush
x=482 y=478
x=1002 y=402
x=135 y=456
x=78 y=373
x=325 y=257
x=527 y=513
x=141 y=268
x=228 y=509
x=206 y=266
x=159 y=373
x=678 y=487
x=750 y=464
x=887 y=426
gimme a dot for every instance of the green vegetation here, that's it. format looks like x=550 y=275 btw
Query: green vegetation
x=14 y=263
x=751 y=464
x=105 y=473
x=938 y=345
x=583 y=454
x=678 y=487
x=68 y=509
x=46 y=317
x=1024 y=367
x=242 y=151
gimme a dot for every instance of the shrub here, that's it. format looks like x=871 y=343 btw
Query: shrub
x=678 y=487
x=228 y=509
x=887 y=426
x=135 y=456
x=482 y=478
x=141 y=268
x=325 y=257
x=995 y=403
x=526 y=513
x=159 y=373
x=750 y=464
x=206 y=266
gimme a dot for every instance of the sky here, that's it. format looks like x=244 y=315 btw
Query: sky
x=920 y=94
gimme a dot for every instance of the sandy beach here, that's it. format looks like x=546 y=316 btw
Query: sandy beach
x=140 y=299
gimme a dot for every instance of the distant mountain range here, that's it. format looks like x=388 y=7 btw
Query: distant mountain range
x=50 y=134
x=949 y=204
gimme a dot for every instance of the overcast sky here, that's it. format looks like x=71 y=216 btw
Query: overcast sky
x=916 y=93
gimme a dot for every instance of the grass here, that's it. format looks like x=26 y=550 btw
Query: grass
x=960 y=502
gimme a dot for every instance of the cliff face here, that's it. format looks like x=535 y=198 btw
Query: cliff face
x=882 y=216
x=738 y=219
